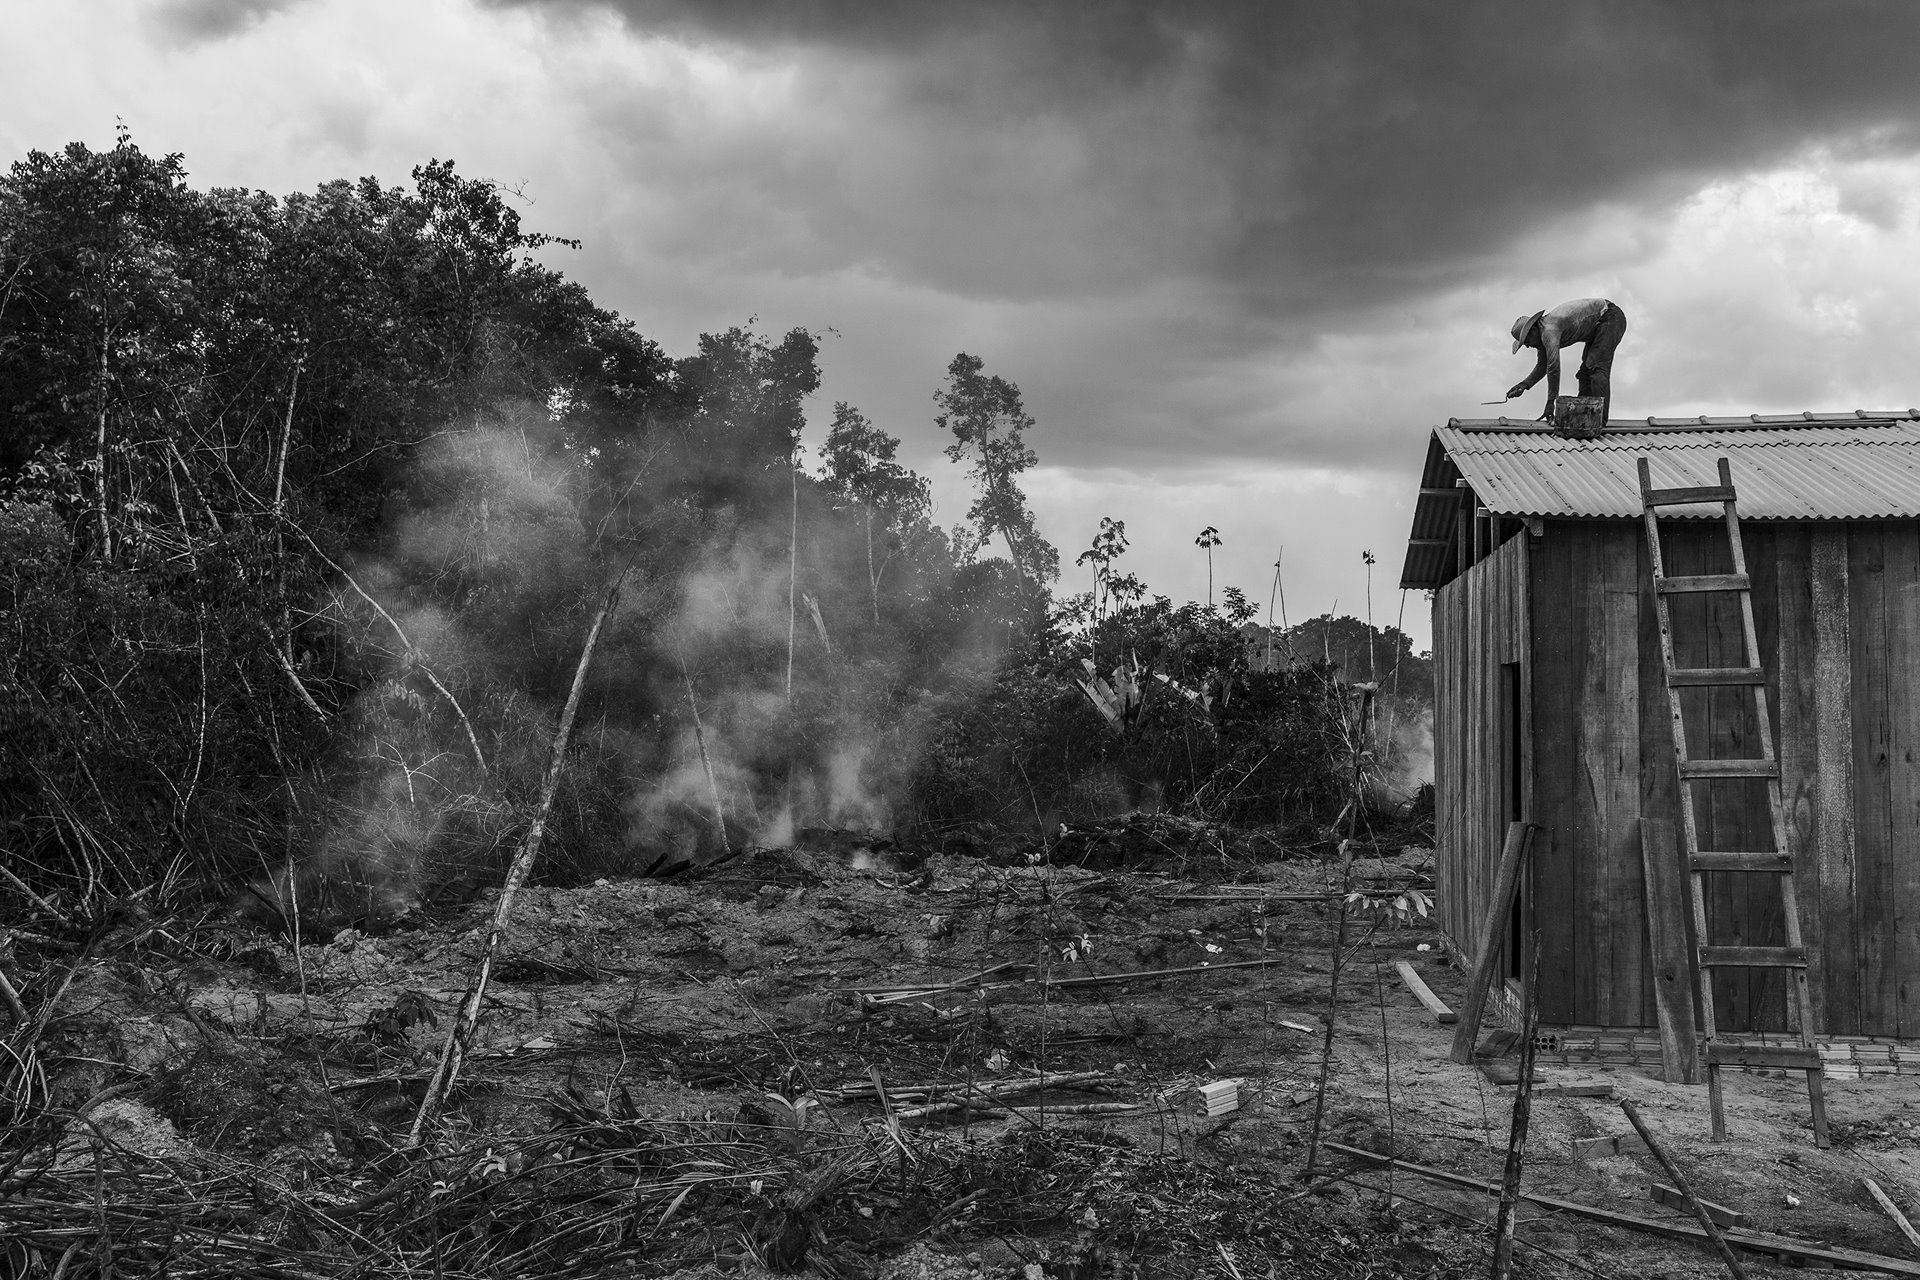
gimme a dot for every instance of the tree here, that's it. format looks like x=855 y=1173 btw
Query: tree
x=745 y=432
x=1108 y=545
x=860 y=470
x=1209 y=539
x=95 y=300
x=989 y=425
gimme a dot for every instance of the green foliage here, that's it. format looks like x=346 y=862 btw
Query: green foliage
x=1210 y=734
x=305 y=503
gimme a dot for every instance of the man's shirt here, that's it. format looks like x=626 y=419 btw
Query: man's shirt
x=1575 y=321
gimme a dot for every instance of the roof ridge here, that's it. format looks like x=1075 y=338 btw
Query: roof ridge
x=1635 y=426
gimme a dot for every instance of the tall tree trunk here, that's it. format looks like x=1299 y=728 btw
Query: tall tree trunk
x=873 y=579
x=793 y=574
x=706 y=764
x=100 y=451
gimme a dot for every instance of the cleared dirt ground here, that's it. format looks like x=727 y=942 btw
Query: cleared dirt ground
x=680 y=1078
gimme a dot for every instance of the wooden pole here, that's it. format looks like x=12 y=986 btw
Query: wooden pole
x=1506 y=883
x=460 y=1033
x=1707 y=1224
x=1885 y=1201
x=1522 y=1115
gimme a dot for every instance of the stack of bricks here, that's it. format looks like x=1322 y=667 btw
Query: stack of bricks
x=1841 y=1057
x=1856 y=1057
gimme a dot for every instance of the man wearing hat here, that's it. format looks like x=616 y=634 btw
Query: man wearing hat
x=1597 y=323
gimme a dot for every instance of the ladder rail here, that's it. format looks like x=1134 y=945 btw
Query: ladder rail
x=1689 y=830
x=1778 y=862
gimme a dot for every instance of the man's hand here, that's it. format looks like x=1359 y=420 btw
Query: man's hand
x=1517 y=390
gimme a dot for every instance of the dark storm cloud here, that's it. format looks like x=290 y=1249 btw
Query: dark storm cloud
x=194 y=21
x=1357 y=153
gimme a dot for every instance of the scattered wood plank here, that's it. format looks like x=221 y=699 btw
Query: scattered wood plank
x=1785 y=1247
x=1577 y=1091
x=1424 y=993
x=1674 y=1198
x=1512 y=855
x=1500 y=1073
x=1885 y=1201
x=1617 y=1144
x=1497 y=1044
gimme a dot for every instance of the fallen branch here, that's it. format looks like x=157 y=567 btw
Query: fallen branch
x=997 y=1090
x=299 y=686
x=1102 y=979
x=893 y=995
x=1098 y=979
x=460 y=1032
x=413 y=654
x=26 y=890
x=10 y=997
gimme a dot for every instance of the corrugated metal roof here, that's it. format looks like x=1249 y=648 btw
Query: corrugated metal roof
x=1804 y=467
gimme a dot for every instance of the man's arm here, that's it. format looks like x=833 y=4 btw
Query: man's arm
x=1548 y=364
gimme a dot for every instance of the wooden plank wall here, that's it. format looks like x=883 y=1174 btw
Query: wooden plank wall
x=1837 y=608
x=1479 y=624
x=1587 y=685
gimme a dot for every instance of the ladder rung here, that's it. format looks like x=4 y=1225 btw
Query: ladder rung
x=1753 y=957
x=1718 y=861
x=1793 y=1057
x=1703 y=582
x=1680 y=497
x=1729 y=768
x=1696 y=676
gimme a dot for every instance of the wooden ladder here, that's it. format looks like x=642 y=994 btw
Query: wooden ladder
x=1777 y=862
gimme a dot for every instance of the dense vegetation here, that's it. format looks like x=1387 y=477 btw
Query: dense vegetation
x=305 y=504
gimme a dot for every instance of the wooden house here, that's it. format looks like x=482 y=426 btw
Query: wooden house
x=1551 y=704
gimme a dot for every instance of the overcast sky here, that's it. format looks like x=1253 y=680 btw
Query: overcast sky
x=1239 y=256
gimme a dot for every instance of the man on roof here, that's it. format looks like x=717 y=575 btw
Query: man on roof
x=1594 y=322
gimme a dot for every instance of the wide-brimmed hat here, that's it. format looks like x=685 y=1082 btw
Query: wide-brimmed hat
x=1522 y=326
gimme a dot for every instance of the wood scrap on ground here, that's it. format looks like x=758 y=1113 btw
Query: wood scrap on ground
x=1674 y=1198
x=1783 y=1247
x=1892 y=1210
x=1614 y=1144
x=1424 y=993
x=1693 y=1203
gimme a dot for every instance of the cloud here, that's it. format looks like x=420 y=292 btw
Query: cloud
x=1316 y=159
x=195 y=21
x=1215 y=243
